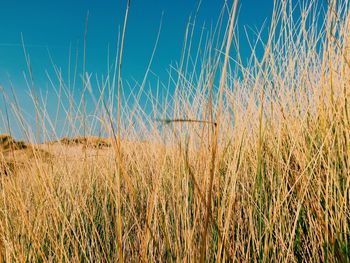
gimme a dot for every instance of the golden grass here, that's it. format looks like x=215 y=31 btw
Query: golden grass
x=256 y=169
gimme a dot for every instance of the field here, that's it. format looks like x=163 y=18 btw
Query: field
x=244 y=162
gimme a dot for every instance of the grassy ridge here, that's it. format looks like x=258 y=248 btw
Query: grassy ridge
x=253 y=169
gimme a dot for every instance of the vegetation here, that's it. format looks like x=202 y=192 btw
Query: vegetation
x=236 y=162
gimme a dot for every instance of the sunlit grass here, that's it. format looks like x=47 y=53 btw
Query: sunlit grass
x=254 y=167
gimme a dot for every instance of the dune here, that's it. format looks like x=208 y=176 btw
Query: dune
x=89 y=142
x=7 y=143
x=15 y=154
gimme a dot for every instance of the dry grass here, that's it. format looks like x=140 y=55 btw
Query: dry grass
x=267 y=181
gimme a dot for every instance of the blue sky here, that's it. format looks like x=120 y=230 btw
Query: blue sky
x=58 y=25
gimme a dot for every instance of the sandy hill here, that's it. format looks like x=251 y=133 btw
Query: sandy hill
x=89 y=142
x=15 y=154
x=7 y=143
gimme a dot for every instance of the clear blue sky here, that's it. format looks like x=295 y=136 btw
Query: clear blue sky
x=56 y=25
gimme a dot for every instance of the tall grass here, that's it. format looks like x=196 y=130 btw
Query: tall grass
x=254 y=167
